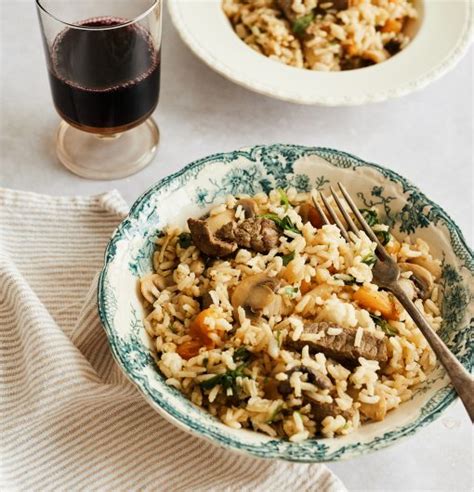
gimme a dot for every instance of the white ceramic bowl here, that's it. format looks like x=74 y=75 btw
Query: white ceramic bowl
x=201 y=184
x=442 y=37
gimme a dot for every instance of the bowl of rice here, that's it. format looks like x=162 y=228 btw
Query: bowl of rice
x=334 y=53
x=244 y=319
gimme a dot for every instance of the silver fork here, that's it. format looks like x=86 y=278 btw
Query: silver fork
x=386 y=274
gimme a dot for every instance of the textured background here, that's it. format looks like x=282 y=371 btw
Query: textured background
x=427 y=137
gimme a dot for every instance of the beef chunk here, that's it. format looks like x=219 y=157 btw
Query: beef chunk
x=341 y=347
x=257 y=233
x=319 y=411
x=207 y=242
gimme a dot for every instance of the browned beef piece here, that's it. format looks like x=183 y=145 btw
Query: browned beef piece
x=320 y=410
x=257 y=233
x=207 y=242
x=341 y=347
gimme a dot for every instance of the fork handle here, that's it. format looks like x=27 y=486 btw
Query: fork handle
x=462 y=381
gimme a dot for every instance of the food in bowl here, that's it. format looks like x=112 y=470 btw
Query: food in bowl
x=323 y=35
x=269 y=319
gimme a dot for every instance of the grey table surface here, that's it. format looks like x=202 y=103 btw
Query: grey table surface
x=427 y=137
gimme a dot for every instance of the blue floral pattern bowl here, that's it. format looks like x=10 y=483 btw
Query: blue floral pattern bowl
x=207 y=181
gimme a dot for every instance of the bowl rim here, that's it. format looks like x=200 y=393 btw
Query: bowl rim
x=458 y=50
x=166 y=411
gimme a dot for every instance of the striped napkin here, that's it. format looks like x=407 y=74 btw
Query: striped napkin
x=69 y=418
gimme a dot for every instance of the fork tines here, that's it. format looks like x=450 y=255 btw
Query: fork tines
x=347 y=218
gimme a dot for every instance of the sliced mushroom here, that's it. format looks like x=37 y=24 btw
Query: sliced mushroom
x=205 y=240
x=249 y=206
x=408 y=287
x=429 y=264
x=215 y=222
x=255 y=293
x=206 y=300
x=421 y=277
x=308 y=213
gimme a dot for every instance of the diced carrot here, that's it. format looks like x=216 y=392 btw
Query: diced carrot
x=351 y=49
x=189 y=349
x=393 y=247
x=392 y=25
x=199 y=330
x=305 y=287
x=377 y=301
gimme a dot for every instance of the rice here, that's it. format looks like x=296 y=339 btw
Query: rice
x=260 y=372
x=314 y=35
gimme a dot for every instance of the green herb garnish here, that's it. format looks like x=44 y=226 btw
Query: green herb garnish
x=226 y=380
x=284 y=199
x=383 y=236
x=370 y=216
x=242 y=354
x=278 y=338
x=372 y=219
x=386 y=327
x=291 y=291
x=300 y=25
x=185 y=240
x=285 y=224
x=287 y=258
x=370 y=259
x=275 y=414
x=346 y=278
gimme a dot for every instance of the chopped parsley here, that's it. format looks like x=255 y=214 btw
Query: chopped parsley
x=370 y=259
x=370 y=216
x=185 y=240
x=386 y=327
x=285 y=224
x=275 y=414
x=346 y=278
x=372 y=219
x=300 y=25
x=278 y=338
x=242 y=354
x=383 y=236
x=226 y=380
x=284 y=199
x=287 y=258
x=291 y=291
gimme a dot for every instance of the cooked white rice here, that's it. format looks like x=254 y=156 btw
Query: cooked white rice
x=318 y=284
x=312 y=34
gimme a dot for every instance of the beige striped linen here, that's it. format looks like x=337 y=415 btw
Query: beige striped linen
x=69 y=418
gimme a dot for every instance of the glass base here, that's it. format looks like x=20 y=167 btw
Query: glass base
x=114 y=156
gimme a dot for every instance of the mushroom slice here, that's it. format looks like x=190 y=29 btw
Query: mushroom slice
x=421 y=277
x=215 y=222
x=408 y=287
x=308 y=213
x=206 y=241
x=429 y=264
x=255 y=293
x=249 y=207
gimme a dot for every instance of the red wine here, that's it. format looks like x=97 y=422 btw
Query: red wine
x=106 y=80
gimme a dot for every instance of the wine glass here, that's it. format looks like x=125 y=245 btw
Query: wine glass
x=104 y=65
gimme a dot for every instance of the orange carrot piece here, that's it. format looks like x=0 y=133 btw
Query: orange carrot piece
x=199 y=330
x=189 y=349
x=377 y=301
